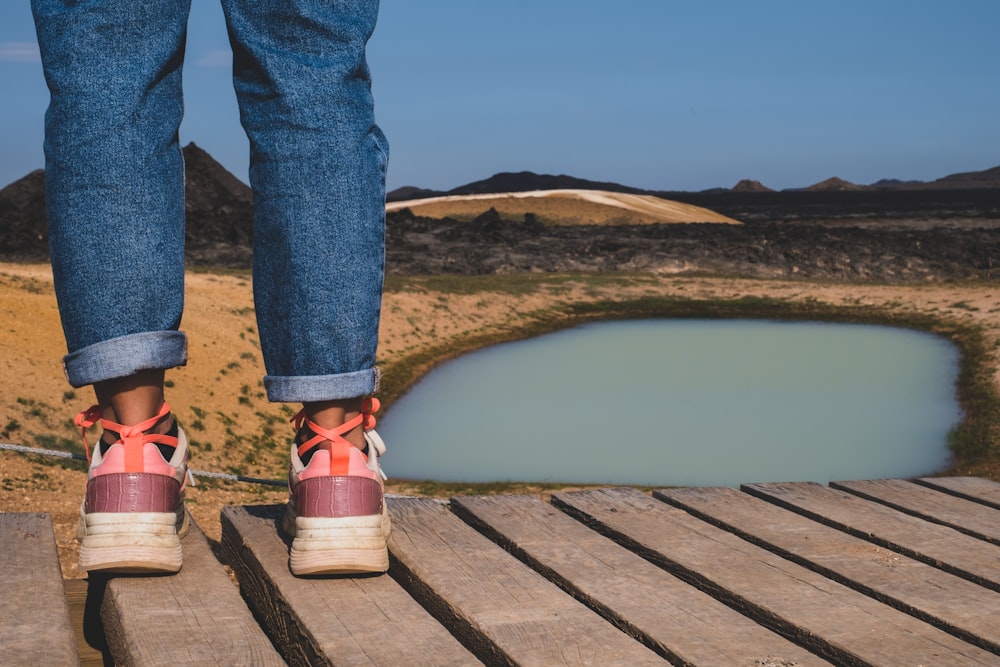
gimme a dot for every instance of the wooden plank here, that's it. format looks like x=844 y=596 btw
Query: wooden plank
x=666 y=614
x=333 y=620
x=34 y=618
x=937 y=545
x=955 y=605
x=505 y=612
x=837 y=622
x=194 y=617
x=967 y=516
x=981 y=490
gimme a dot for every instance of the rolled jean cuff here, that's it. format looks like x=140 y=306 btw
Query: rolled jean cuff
x=310 y=388
x=125 y=355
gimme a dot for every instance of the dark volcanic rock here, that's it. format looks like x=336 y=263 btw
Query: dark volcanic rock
x=419 y=245
x=23 y=232
x=490 y=227
x=898 y=235
x=851 y=206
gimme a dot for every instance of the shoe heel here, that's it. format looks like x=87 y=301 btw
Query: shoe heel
x=340 y=545
x=132 y=542
x=131 y=559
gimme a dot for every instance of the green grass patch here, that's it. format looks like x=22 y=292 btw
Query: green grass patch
x=515 y=284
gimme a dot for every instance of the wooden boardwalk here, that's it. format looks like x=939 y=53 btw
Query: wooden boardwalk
x=884 y=572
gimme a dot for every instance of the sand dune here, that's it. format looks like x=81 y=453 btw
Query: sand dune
x=565 y=207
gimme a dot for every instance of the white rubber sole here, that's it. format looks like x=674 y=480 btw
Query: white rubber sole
x=132 y=542
x=338 y=545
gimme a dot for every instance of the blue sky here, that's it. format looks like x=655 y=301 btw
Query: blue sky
x=661 y=94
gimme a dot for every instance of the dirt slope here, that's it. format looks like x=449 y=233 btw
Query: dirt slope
x=565 y=207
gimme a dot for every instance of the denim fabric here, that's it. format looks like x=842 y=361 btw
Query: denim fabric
x=125 y=355
x=114 y=183
x=114 y=179
x=318 y=173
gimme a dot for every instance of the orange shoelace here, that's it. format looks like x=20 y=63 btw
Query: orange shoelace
x=131 y=437
x=365 y=419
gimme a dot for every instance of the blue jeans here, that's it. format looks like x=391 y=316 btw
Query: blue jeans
x=115 y=186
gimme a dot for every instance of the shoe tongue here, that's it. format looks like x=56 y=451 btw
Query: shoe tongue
x=166 y=451
x=326 y=445
x=105 y=443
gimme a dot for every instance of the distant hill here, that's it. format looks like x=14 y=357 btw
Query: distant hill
x=526 y=181
x=747 y=185
x=218 y=206
x=894 y=184
x=23 y=231
x=966 y=180
x=989 y=178
x=410 y=192
x=521 y=181
x=835 y=184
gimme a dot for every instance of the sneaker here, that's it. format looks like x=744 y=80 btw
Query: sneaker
x=336 y=514
x=133 y=516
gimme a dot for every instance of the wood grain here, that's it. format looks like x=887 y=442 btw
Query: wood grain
x=195 y=617
x=504 y=612
x=967 y=516
x=953 y=604
x=984 y=491
x=663 y=612
x=333 y=620
x=837 y=622
x=35 y=626
x=934 y=544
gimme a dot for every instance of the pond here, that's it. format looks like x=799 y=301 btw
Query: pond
x=683 y=402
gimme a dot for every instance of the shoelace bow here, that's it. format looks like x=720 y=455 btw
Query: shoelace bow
x=132 y=437
x=365 y=419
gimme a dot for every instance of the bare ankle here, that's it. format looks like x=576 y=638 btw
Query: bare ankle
x=331 y=414
x=132 y=399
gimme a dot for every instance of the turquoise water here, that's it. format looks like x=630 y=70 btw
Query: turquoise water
x=683 y=402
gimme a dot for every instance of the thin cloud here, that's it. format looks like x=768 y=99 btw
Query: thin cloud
x=19 y=52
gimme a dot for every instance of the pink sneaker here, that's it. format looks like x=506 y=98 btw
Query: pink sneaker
x=336 y=511
x=133 y=514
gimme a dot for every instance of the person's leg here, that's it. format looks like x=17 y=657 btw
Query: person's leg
x=115 y=200
x=115 y=181
x=318 y=176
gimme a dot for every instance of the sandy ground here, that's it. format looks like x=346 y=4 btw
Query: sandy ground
x=566 y=207
x=219 y=399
